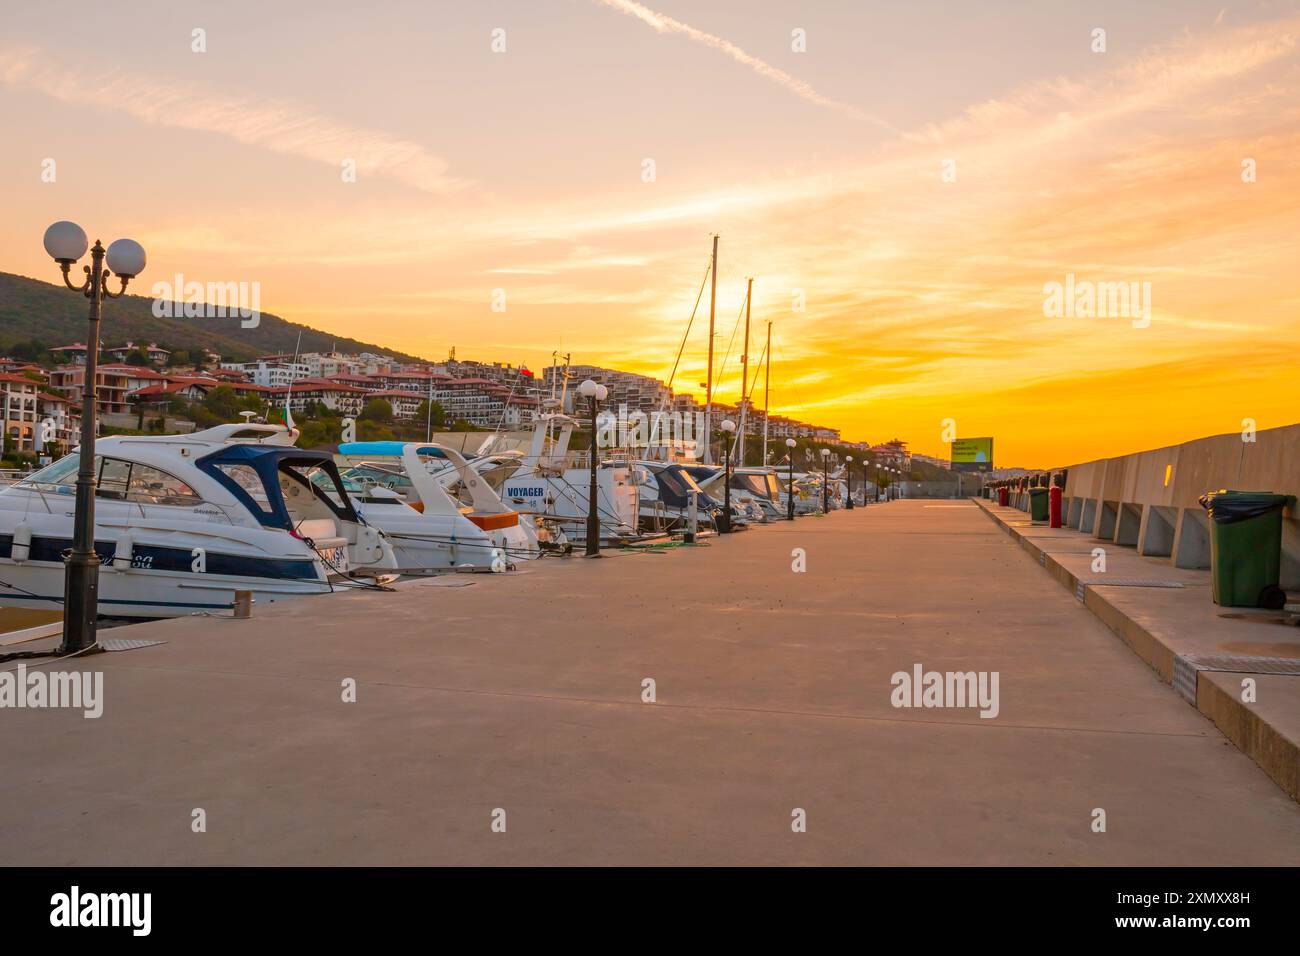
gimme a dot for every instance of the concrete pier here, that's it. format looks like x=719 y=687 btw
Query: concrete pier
x=523 y=693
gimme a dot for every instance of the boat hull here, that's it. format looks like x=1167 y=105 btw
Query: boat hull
x=135 y=593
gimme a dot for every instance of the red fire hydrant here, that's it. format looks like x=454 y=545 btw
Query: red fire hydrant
x=1004 y=495
x=1054 y=507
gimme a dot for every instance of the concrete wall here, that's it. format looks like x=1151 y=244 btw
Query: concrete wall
x=935 y=489
x=1148 y=500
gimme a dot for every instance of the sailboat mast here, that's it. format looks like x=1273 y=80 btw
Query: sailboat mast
x=744 y=372
x=708 y=387
x=767 y=387
x=288 y=393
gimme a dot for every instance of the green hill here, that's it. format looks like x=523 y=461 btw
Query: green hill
x=41 y=313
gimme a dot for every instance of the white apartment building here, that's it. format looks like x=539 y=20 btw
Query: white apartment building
x=405 y=403
x=328 y=364
x=482 y=402
x=344 y=399
x=638 y=392
x=271 y=374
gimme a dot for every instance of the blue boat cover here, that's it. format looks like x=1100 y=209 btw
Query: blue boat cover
x=385 y=449
x=269 y=461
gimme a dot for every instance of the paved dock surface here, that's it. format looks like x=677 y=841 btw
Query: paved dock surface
x=523 y=693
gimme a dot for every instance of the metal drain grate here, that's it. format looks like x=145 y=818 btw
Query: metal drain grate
x=1082 y=584
x=1187 y=668
x=1233 y=664
x=124 y=644
x=1130 y=583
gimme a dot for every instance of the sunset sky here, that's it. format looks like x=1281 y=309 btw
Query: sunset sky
x=821 y=170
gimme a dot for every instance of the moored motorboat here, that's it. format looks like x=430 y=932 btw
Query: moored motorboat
x=184 y=521
x=403 y=490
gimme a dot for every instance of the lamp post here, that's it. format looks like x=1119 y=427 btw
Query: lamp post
x=789 y=504
x=594 y=393
x=728 y=429
x=66 y=243
x=826 y=481
x=848 y=474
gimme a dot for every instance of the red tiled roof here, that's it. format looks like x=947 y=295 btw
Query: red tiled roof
x=164 y=388
x=194 y=380
x=136 y=371
x=316 y=385
x=396 y=393
x=345 y=378
x=19 y=379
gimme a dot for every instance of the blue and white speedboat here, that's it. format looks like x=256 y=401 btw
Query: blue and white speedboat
x=184 y=521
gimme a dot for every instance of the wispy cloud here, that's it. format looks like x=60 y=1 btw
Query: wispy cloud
x=280 y=126
x=662 y=23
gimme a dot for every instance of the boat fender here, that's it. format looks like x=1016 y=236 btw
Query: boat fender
x=22 y=546
x=123 y=553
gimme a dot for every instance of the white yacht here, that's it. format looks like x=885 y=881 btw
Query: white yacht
x=744 y=510
x=664 y=488
x=553 y=482
x=760 y=486
x=183 y=521
x=439 y=513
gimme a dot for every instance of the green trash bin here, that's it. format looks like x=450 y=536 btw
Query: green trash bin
x=1037 y=504
x=1246 y=547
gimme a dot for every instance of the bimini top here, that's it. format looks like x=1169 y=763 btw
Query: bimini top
x=252 y=474
x=386 y=449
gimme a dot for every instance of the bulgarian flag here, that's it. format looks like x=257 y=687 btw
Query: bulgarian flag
x=278 y=415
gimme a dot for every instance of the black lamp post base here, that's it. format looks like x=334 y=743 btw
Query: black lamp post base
x=80 y=602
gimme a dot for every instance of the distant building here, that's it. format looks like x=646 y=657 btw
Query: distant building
x=270 y=371
x=111 y=386
x=20 y=412
x=344 y=399
x=638 y=392
x=75 y=353
x=66 y=421
x=484 y=403
x=936 y=462
x=893 y=453
x=405 y=404
x=157 y=356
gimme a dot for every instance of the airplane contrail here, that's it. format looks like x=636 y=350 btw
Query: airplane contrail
x=666 y=24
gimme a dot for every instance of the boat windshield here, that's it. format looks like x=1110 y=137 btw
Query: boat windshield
x=755 y=484
x=60 y=477
x=256 y=476
x=369 y=473
x=116 y=479
x=679 y=481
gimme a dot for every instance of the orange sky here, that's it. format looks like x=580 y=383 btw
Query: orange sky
x=822 y=171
